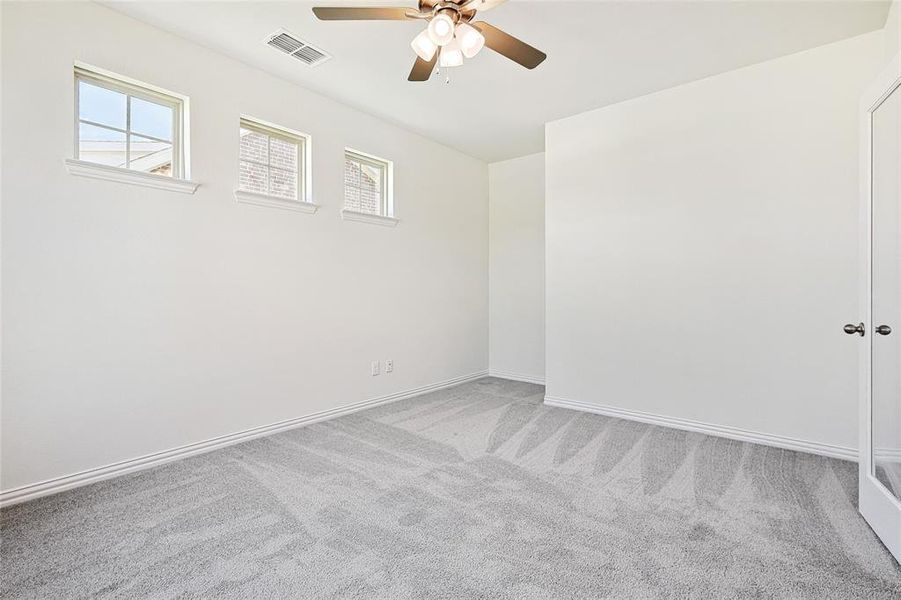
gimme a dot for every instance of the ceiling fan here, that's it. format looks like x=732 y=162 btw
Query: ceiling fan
x=450 y=36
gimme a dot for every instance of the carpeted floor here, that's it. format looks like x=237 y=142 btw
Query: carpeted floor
x=478 y=491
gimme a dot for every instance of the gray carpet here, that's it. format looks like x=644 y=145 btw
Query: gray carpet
x=478 y=491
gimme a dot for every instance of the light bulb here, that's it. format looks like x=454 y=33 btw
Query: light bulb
x=441 y=29
x=451 y=55
x=471 y=39
x=423 y=46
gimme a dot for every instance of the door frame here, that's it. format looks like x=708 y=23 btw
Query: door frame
x=877 y=505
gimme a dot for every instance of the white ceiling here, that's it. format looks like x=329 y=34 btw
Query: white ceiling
x=599 y=53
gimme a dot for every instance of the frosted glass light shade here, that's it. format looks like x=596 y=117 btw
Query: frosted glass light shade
x=451 y=55
x=471 y=39
x=423 y=46
x=441 y=29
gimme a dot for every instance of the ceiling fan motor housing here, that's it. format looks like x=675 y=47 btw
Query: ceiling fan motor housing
x=446 y=19
x=447 y=7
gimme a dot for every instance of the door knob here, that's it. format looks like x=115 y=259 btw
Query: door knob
x=883 y=330
x=851 y=329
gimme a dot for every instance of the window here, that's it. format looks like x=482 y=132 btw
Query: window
x=367 y=184
x=273 y=162
x=128 y=125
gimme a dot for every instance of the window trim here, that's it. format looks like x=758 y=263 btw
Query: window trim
x=137 y=89
x=355 y=215
x=83 y=168
x=386 y=208
x=303 y=200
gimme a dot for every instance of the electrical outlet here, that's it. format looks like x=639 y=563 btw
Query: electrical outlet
x=375 y=367
x=389 y=366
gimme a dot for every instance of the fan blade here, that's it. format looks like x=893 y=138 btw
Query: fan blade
x=514 y=49
x=341 y=13
x=422 y=70
x=481 y=5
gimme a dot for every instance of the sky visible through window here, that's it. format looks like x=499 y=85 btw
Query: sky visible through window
x=121 y=130
x=108 y=107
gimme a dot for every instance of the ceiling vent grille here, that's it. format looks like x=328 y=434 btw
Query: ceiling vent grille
x=292 y=45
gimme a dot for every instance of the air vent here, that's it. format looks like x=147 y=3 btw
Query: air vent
x=290 y=44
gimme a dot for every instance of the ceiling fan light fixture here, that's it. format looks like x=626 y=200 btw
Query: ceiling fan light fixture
x=451 y=55
x=471 y=39
x=451 y=35
x=423 y=46
x=441 y=29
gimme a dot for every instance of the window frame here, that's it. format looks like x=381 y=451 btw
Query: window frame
x=386 y=204
x=132 y=88
x=303 y=192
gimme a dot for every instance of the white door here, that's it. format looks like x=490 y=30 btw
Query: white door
x=880 y=433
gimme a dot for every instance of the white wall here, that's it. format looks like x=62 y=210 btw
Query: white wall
x=137 y=320
x=516 y=233
x=702 y=248
x=892 y=31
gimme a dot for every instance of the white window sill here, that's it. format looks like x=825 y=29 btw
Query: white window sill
x=84 y=168
x=352 y=215
x=275 y=202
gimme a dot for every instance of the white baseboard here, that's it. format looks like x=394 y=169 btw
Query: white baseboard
x=887 y=454
x=725 y=431
x=66 y=482
x=516 y=376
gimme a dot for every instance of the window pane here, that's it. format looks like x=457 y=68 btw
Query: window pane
x=150 y=156
x=351 y=173
x=282 y=154
x=370 y=189
x=150 y=118
x=352 y=198
x=351 y=185
x=100 y=145
x=283 y=183
x=253 y=178
x=371 y=175
x=101 y=105
x=254 y=146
